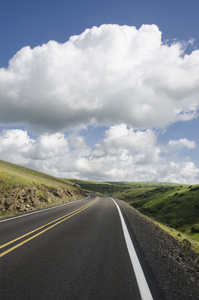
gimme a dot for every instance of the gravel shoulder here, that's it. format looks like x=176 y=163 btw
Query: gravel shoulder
x=174 y=267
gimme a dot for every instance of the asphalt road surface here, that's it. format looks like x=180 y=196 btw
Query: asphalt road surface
x=74 y=251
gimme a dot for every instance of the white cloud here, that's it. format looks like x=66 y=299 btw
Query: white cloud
x=175 y=145
x=180 y=172
x=115 y=76
x=14 y=144
x=122 y=154
x=109 y=75
x=119 y=140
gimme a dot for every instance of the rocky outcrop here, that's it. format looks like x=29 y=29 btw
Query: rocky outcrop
x=29 y=198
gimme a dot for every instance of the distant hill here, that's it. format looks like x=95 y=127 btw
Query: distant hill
x=172 y=204
x=23 y=189
x=176 y=206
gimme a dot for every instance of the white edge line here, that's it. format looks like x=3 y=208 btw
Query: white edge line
x=42 y=210
x=139 y=274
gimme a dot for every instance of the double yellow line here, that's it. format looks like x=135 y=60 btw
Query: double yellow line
x=48 y=225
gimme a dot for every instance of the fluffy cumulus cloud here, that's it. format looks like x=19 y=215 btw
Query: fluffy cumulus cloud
x=122 y=154
x=121 y=141
x=120 y=77
x=108 y=74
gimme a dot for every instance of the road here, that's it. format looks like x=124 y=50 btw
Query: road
x=74 y=251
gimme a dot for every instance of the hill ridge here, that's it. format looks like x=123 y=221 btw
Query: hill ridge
x=23 y=189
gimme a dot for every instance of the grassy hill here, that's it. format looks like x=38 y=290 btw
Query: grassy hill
x=111 y=188
x=23 y=189
x=99 y=187
x=174 y=205
x=11 y=174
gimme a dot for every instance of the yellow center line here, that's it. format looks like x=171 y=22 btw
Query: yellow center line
x=41 y=232
x=19 y=238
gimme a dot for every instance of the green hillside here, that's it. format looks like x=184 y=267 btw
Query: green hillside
x=171 y=204
x=177 y=206
x=143 y=184
x=99 y=187
x=23 y=189
x=11 y=174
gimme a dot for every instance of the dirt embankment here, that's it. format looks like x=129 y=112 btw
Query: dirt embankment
x=29 y=198
x=174 y=265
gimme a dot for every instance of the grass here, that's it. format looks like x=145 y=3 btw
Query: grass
x=144 y=184
x=98 y=187
x=180 y=236
x=12 y=175
x=176 y=206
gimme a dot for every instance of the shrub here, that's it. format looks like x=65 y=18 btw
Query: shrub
x=195 y=228
x=196 y=188
x=180 y=195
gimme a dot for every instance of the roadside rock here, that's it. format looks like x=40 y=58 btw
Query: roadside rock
x=29 y=198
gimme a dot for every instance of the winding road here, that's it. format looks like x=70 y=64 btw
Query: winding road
x=78 y=250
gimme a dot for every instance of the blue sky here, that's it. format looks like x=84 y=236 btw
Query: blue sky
x=36 y=22
x=101 y=106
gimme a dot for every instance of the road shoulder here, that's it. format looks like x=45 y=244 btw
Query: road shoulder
x=175 y=271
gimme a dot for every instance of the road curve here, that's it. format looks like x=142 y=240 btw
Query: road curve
x=74 y=251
